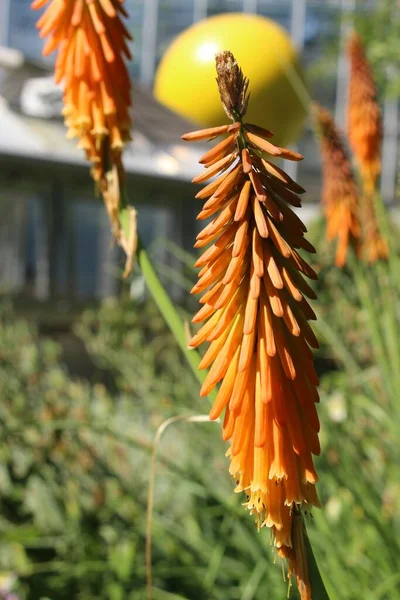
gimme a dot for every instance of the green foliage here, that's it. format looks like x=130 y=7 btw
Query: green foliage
x=66 y=488
x=380 y=28
x=358 y=323
x=378 y=23
x=75 y=469
x=76 y=458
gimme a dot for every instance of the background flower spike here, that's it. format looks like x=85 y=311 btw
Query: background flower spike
x=91 y=41
x=340 y=198
x=364 y=115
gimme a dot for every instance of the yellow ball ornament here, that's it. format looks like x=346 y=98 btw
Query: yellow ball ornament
x=185 y=79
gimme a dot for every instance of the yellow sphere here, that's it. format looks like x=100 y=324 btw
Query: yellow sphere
x=185 y=79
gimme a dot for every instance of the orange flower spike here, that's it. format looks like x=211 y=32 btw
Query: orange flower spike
x=339 y=192
x=365 y=136
x=350 y=219
x=364 y=115
x=91 y=43
x=255 y=318
x=91 y=39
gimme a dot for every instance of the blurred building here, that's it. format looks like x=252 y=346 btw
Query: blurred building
x=162 y=20
x=54 y=235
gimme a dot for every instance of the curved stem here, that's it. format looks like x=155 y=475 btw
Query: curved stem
x=150 y=494
x=168 y=311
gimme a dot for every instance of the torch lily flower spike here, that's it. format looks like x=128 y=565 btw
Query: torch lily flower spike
x=340 y=198
x=364 y=115
x=255 y=316
x=91 y=41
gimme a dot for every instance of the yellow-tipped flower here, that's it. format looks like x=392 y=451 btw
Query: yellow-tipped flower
x=256 y=317
x=91 y=43
x=364 y=116
x=339 y=191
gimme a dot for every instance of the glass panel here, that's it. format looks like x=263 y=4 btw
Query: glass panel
x=17 y=243
x=320 y=56
x=277 y=11
x=220 y=6
x=23 y=34
x=85 y=230
x=174 y=16
x=135 y=9
x=24 y=239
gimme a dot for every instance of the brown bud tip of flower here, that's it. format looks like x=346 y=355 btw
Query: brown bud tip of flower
x=232 y=85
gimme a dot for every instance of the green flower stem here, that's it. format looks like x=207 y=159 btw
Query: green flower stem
x=318 y=588
x=168 y=310
x=164 y=302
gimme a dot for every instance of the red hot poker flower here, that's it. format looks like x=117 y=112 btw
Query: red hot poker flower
x=255 y=315
x=91 y=43
x=364 y=115
x=339 y=191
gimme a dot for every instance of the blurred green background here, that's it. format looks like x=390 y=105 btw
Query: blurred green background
x=83 y=390
x=76 y=453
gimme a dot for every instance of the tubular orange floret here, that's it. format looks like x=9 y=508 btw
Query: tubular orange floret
x=256 y=320
x=364 y=116
x=91 y=43
x=339 y=191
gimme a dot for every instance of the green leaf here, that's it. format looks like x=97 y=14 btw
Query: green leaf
x=121 y=558
x=40 y=500
x=317 y=584
x=115 y=591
